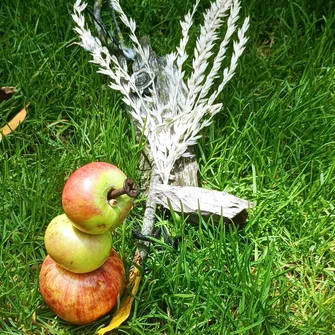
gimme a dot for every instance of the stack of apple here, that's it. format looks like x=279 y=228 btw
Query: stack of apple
x=82 y=276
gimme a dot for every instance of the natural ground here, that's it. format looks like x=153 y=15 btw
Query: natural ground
x=273 y=143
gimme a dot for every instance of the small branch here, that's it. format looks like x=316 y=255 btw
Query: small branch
x=97 y=18
x=104 y=35
x=148 y=220
x=116 y=26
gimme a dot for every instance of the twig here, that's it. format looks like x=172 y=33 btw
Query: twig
x=100 y=29
x=148 y=220
x=116 y=26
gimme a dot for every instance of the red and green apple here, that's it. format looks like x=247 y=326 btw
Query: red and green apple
x=87 y=200
x=81 y=298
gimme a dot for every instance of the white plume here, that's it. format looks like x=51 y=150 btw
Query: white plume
x=170 y=128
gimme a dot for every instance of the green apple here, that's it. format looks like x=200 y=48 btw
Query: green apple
x=73 y=249
x=86 y=198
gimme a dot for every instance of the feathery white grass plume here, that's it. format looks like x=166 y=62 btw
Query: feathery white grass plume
x=172 y=126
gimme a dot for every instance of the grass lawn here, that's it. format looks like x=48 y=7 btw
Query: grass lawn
x=273 y=144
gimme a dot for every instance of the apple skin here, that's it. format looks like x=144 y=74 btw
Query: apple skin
x=85 y=198
x=81 y=298
x=73 y=249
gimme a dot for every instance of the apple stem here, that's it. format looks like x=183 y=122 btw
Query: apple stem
x=129 y=187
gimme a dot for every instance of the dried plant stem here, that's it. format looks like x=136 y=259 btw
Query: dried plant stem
x=148 y=220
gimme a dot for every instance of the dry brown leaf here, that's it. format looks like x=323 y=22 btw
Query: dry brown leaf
x=6 y=92
x=14 y=122
x=123 y=312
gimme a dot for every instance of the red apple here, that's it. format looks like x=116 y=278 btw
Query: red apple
x=87 y=201
x=81 y=298
x=73 y=249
